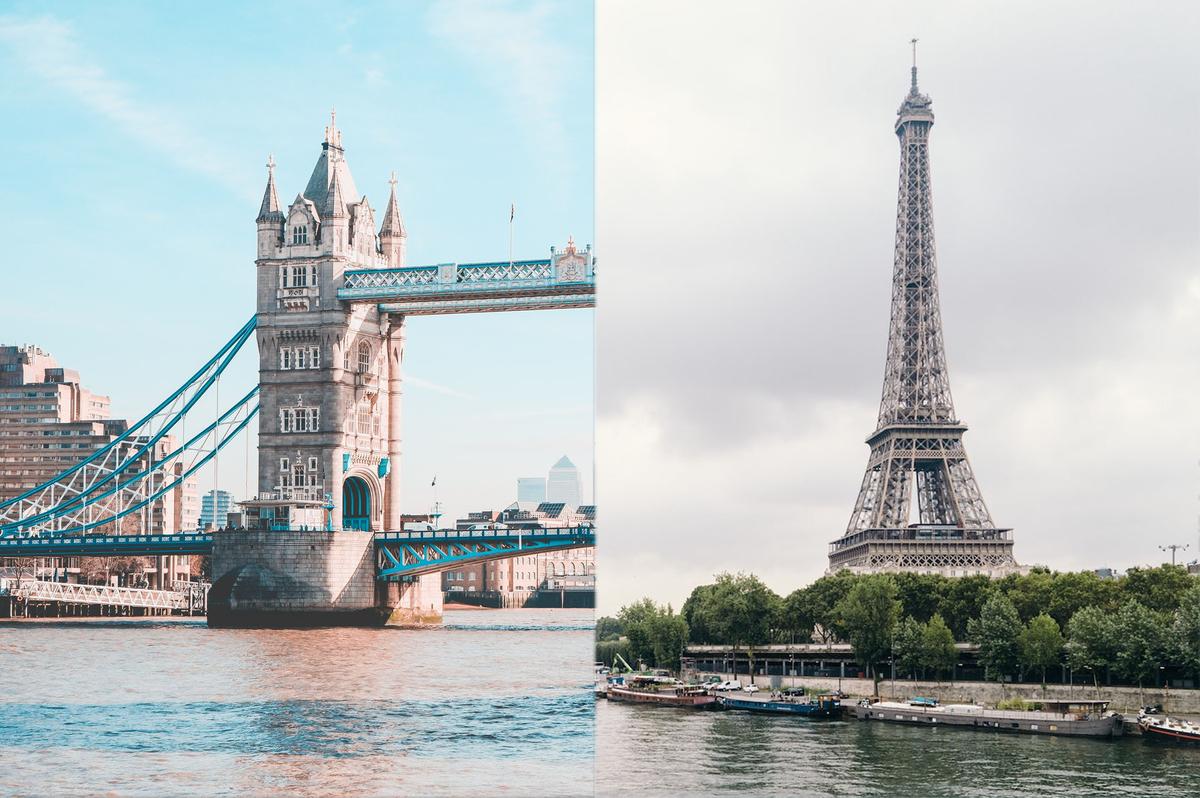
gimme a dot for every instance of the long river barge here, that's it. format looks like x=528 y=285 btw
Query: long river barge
x=689 y=697
x=1068 y=718
x=823 y=706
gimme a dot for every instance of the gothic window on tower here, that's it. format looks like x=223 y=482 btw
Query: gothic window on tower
x=299 y=357
x=300 y=419
x=312 y=464
x=300 y=234
x=283 y=464
x=363 y=420
x=364 y=357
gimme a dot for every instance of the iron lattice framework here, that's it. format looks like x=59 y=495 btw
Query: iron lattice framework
x=918 y=440
x=126 y=479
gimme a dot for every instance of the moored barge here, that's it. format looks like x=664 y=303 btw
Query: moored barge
x=1068 y=718
x=822 y=706
x=679 y=696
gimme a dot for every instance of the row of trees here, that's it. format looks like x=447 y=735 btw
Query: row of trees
x=1132 y=626
x=642 y=632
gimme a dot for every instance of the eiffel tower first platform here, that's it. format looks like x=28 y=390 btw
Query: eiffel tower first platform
x=918 y=441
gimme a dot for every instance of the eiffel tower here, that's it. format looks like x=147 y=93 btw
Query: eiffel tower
x=918 y=440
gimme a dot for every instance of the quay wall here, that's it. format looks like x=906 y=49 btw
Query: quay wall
x=1126 y=700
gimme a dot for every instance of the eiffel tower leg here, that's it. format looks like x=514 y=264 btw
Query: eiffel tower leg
x=867 y=503
x=897 y=492
x=973 y=512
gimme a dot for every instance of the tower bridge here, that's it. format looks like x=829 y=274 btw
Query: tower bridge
x=323 y=540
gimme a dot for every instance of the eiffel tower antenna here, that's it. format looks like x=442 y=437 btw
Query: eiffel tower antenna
x=917 y=444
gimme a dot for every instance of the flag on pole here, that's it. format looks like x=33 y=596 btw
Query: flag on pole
x=512 y=212
x=434 y=483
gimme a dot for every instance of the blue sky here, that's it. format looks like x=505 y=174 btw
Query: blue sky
x=135 y=139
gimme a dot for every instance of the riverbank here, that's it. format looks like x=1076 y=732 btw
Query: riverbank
x=1126 y=700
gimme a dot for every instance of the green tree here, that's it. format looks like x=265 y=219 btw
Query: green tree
x=909 y=651
x=1141 y=642
x=920 y=595
x=1073 y=591
x=606 y=651
x=795 y=617
x=938 y=652
x=740 y=609
x=1041 y=644
x=637 y=619
x=964 y=600
x=653 y=634
x=694 y=611
x=1030 y=593
x=868 y=614
x=1159 y=589
x=1186 y=629
x=608 y=628
x=822 y=598
x=736 y=610
x=668 y=634
x=1092 y=641
x=996 y=631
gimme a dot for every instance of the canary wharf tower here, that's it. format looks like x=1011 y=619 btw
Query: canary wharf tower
x=917 y=445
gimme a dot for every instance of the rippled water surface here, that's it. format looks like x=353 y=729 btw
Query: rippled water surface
x=644 y=751
x=492 y=704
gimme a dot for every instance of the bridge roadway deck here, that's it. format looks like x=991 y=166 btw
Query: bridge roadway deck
x=66 y=545
x=401 y=554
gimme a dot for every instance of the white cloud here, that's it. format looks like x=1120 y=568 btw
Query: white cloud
x=49 y=49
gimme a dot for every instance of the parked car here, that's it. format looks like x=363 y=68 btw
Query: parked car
x=750 y=688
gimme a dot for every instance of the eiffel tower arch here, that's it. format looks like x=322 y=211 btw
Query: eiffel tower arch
x=917 y=447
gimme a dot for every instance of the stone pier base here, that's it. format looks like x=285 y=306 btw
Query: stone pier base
x=414 y=603
x=310 y=578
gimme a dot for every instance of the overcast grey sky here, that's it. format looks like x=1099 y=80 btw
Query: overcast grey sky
x=746 y=185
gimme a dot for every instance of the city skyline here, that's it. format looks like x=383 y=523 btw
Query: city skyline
x=169 y=304
x=1066 y=274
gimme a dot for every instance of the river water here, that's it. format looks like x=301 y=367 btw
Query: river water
x=653 y=751
x=493 y=704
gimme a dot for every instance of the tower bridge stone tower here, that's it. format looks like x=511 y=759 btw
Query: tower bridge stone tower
x=329 y=371
x=330 y=392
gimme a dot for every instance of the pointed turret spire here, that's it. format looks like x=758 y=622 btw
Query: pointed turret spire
x=333 y=136
x=392 y=236
x=393 y=222
x=335 y=203
x=270 y=211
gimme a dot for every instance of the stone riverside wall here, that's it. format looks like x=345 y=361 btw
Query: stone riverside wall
x=310 y=578
x=1126 y=700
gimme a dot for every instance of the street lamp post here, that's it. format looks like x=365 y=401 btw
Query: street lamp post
x=1174 y=547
